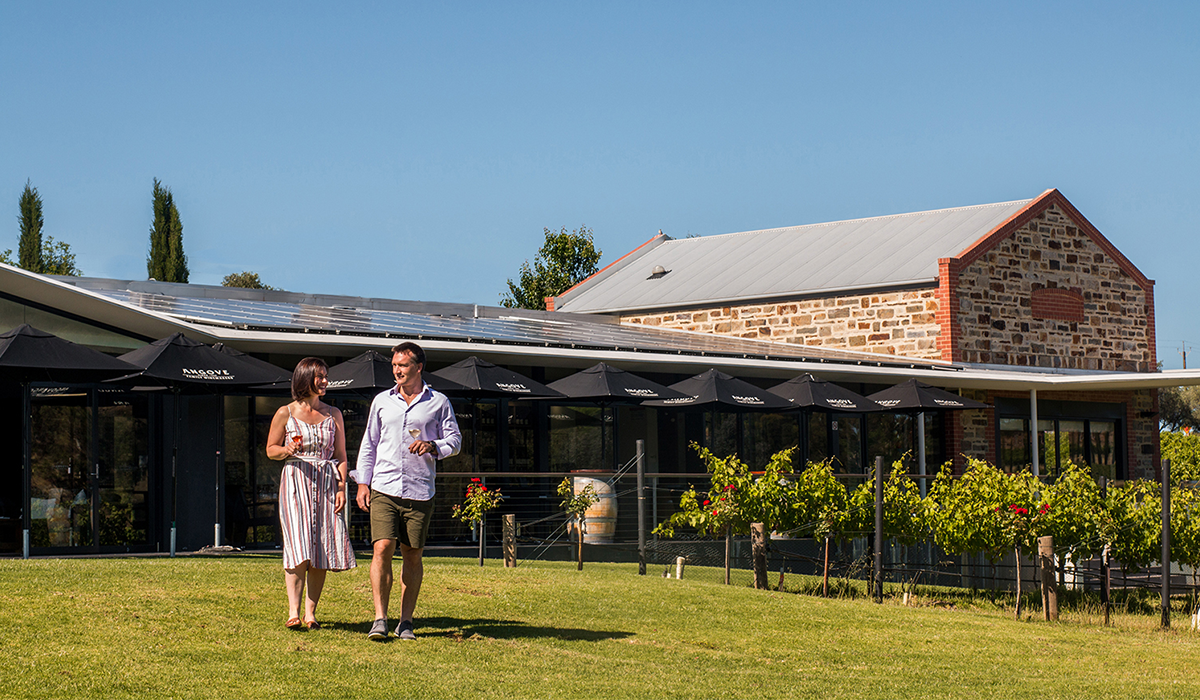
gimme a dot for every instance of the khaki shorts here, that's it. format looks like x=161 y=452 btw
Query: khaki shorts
x=400 y=519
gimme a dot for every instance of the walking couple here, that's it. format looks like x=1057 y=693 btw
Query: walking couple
x=408 y=429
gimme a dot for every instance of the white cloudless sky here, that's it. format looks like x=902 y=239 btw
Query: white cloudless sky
x=417 y=151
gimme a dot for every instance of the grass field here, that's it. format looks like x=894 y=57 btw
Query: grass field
x=213 y=627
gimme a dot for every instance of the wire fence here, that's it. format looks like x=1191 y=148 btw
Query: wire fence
x=545 y=532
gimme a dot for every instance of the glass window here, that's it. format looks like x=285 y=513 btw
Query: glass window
x=890 y=435
x=721 y=433
x=768 y=433
x=1048 y=447
x=1014 y=444
x=464 y=461
x=575 y=438
x=818 y=436
x=522 y=437
x=1103 y=457
x=1072 y=442
x=848 y=429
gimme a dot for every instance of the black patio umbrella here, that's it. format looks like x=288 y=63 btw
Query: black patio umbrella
x=178 y=362
x=806 y=391
x=30 y=355
x=182 y=364
x=285 y=376
x=716 y=391
x=917 y=397
x=605 y=386
x=481 y=379
x=370 y=372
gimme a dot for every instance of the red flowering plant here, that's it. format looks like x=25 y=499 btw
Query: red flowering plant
x=477 y=502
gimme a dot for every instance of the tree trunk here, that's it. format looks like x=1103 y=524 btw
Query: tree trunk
x=1017 y=552
x=758 y=547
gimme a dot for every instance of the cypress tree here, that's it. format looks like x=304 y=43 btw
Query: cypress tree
x=166 y=261
x=30 y=247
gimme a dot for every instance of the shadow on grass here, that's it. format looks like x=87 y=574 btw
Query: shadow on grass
x=484 y=628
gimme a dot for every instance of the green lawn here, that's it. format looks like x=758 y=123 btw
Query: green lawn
x=213 y=627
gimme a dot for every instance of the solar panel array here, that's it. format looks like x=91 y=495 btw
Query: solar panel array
x=508 y=330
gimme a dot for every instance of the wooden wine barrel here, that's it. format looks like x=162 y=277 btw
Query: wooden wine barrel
x=600 y=521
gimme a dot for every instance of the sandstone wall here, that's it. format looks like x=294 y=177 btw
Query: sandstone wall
x=1049 y=296
x=894 y=323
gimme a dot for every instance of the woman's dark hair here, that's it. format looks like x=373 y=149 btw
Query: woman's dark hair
x=304 y=377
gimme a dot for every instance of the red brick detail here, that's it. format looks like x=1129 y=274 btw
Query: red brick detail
x=1151 y=338
x=947 y=312
x=1057 y=304
x=549 y=303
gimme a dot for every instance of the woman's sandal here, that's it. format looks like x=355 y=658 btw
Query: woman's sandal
x=294 y=623
x=313 y=625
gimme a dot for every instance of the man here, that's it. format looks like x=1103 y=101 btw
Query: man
x=409 y=428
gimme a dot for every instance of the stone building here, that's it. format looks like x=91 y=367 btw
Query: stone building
x=1030 y=284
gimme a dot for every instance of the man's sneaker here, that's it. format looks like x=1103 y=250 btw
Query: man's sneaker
x=404 y=630
x=378 y=631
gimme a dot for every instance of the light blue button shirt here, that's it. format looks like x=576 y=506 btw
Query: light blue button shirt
x=384 y=461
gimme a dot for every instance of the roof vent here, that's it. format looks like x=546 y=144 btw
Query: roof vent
x=657 y=272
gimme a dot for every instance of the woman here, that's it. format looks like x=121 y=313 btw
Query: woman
x=310 y=435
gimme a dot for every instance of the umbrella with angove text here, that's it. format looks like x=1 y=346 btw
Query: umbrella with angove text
x=185 y=365
x=917 y=397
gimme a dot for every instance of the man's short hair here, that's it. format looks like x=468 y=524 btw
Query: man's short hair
x=304 y=377
x=413 y=349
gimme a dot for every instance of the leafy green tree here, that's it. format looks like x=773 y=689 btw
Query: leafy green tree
x=1183 y=449
x=166 y=261
x=29 y=249
x=38 y=253
x=245 y=280
x=565 y=259
x=1179 y=407
x=57 y=258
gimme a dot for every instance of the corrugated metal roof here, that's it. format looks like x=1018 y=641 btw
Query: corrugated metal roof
x=884 y=251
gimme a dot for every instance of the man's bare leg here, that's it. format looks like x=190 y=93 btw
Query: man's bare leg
x=381 y=576
x=411 y=573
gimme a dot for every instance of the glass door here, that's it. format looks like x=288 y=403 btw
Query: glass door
x=60 y=495
x=123 y=474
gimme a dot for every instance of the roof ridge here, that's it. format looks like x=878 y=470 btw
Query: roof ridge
x=851 y=221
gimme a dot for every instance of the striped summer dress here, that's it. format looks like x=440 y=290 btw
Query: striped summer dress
x=312 y=532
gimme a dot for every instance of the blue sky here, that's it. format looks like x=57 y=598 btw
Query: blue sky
x=416 y=151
